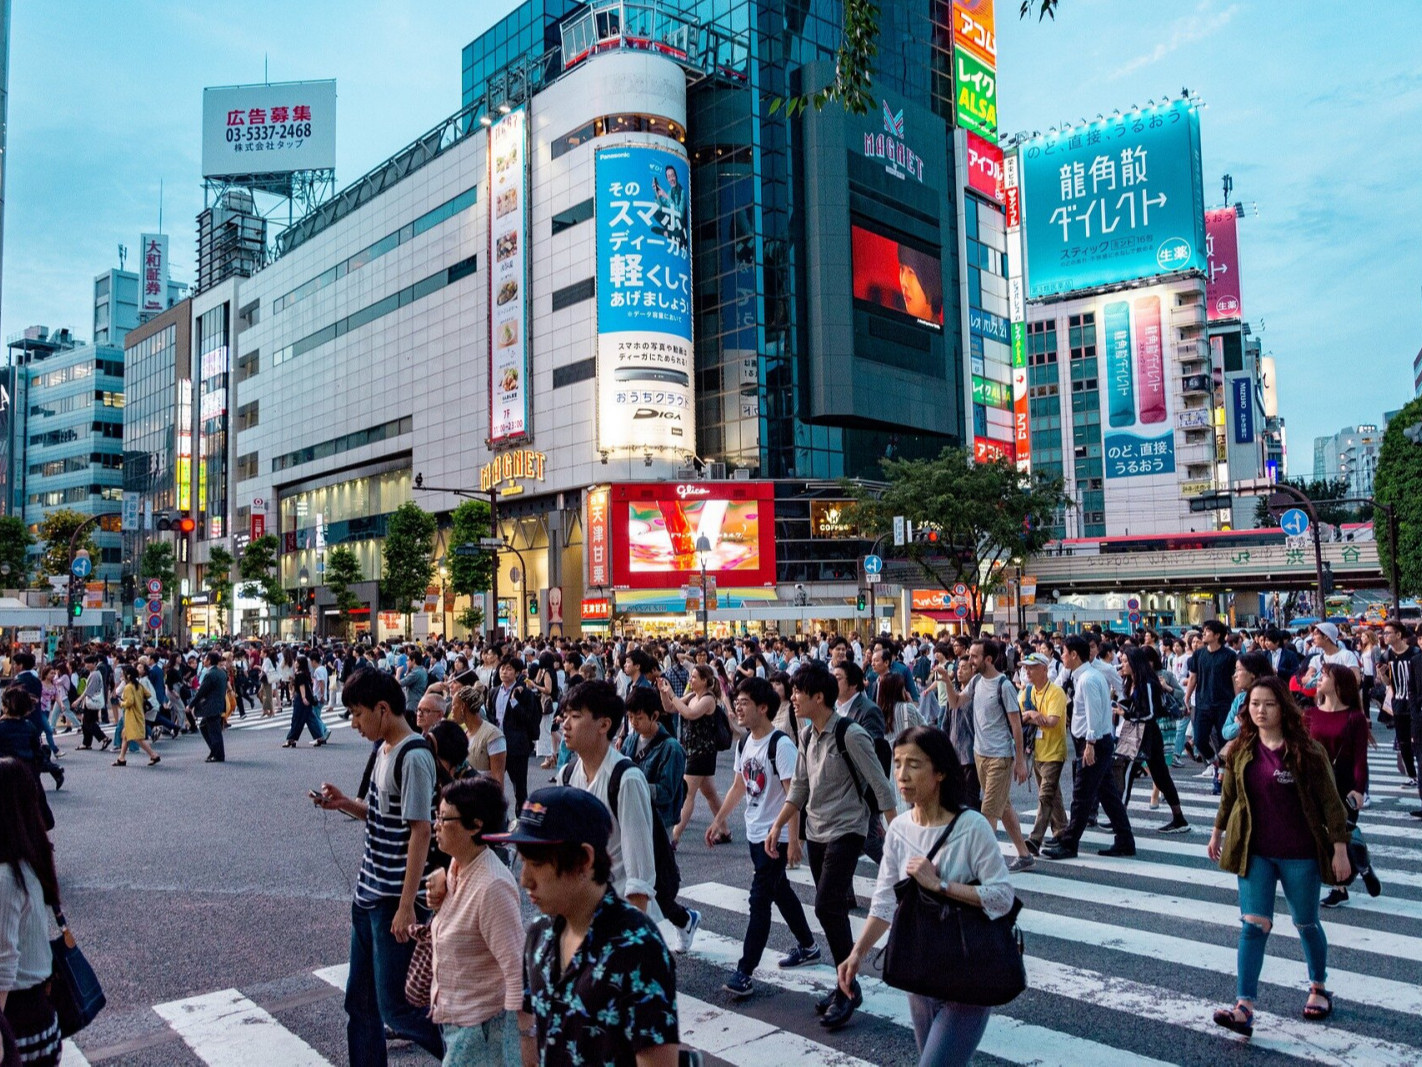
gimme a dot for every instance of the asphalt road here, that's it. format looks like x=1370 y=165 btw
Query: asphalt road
x=221 y=882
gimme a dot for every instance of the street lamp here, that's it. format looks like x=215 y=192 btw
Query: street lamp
x=703 y=549
x=443 y=604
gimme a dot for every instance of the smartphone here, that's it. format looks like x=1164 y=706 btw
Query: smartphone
x=314 y=795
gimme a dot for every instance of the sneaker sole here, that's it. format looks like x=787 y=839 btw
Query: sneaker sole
x=739 y=994
x=1174 y=830
x=803 y=962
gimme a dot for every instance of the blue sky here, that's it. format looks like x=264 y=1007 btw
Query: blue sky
x=1313 y=108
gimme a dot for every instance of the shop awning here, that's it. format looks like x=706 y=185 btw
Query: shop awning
x=671 y=602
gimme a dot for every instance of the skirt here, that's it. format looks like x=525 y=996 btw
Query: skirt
x=31 y=1016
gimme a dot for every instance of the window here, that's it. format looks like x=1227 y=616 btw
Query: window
x=616 y=124
x=574 y=294
x=247 y=466
x=249 y=315
x=249 y=366
x=344 y=443
x=581 y=371
x=566 y=220
x=247 y=416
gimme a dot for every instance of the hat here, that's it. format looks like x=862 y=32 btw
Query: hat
x=560 y=815
x=1038 y=659
x=1328 y=630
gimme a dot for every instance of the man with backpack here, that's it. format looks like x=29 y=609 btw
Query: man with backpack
x=643 y=864
x=999 y=753
x=764 y=764
x=656 y=753
x=841 y=786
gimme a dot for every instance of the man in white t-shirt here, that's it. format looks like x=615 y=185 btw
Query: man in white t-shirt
x=1327 y=649
x=764 y=764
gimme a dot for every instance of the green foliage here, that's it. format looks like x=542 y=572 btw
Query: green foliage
x=472 y=619
x=342 y=572
x=15 y=541
x=157 y=562
x=1398 y=482
x=55 y=530
x=986 y=515
x=260 y=577
x=1323 y=492
x=409 y=563
x=470 y=574
x=218 y=579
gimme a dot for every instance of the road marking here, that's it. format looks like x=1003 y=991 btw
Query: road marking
x=225 y=1029
x=1370 y=830
x=71 y=1056
x=749 y=1042
x=335 y=976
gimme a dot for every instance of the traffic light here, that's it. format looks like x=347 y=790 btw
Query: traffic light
x=164 y=520
x=185 y=524
x=1327 y=587
x=926 y=536
x=76 y=596
x=533 y=606
x=860 y=604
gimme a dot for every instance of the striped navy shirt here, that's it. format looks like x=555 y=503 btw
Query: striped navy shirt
x=390 y=808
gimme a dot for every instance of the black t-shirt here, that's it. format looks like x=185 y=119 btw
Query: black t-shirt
x=1214 y=678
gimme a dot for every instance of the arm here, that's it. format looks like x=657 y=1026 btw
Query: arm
x=1019 y=757
x=696 y=708
x=634 y=806
x=416 y=853
x=733 y=797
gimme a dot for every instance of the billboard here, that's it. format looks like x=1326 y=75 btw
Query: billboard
x=1269 y=387
x=1138 y=438
x=892 y=275
x=268 y=129
x=1242 y=401
x=1222 y=298
x=975 y=93
x=508 y=277
x=655 y=528
x=985 y=168
x=599 y=551
x=644 y=354
x=1114 y=201
x=975 y=28
x=153 y=273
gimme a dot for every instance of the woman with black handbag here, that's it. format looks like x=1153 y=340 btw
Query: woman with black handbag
x=940 y=858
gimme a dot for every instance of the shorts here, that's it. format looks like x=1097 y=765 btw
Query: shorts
x=995 y=775
x=701 y=766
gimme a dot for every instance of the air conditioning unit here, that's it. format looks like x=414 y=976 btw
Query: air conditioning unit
x=716 y=470
x=741 y=475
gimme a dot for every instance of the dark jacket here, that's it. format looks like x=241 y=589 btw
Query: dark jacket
x=866 y=713
x=1289 y=663
x=664 y=764
x=521 y=720
x=20 y=739
x=211 y=698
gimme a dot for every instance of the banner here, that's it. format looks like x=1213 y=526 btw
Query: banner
x=599 y=559
x=985 y=168
x=1133 y=396
x=1242 y=400
x=975 y=28
x=644 y=354
x=152 y=273
x=1222 y=297
x=508 y=277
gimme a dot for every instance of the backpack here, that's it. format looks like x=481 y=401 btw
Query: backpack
x=841 y=727
x=1029 y=730
x=404 y=750
x=721 y=728
x=668 y=876
x=775 y=736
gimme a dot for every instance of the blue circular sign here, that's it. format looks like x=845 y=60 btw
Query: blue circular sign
x=873 y=565
x=1173 y=254
x=1294 y=522
x=82 y=566
x=155 y=622
x=139 y=604
x=155 y=607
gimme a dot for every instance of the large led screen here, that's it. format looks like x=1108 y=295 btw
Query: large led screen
x=890 y=274
x=656 y=528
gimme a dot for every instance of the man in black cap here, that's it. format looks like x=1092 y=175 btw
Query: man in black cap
x=597 y=977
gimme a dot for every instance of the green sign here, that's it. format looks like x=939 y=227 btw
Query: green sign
x=991 y=394
x=975 y=88
x=1019 y=345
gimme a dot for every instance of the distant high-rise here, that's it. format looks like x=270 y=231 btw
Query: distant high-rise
x=4 y=111
x=1350 y=455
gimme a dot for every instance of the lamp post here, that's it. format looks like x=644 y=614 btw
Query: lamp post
x=443 y=604
x=703 y=549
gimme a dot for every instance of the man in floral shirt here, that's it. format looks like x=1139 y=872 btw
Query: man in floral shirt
x=597 y=977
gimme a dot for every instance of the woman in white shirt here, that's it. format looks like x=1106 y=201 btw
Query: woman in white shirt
x=926 y=771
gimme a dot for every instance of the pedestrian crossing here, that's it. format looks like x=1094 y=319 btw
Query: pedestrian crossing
x=1127 y=958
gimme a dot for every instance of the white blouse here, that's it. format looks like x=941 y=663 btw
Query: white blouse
x=970 y=854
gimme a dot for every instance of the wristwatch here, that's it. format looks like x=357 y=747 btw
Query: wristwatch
x=943 y=887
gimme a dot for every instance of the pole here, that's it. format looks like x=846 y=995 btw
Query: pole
x=1393 y=576
x=1322 y=612
x=493 y=624
x=73 y=548
x=705 y=616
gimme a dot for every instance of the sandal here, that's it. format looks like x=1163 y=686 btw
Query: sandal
x=1312 y=1012
x=1230 y=1021
x=120 y=763
x=155 y=759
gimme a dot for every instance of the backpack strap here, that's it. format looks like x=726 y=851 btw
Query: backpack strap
x=840 y=729
x=614 y=781
x=775 y=736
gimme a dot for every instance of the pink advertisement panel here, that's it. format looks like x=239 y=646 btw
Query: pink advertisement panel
x=1222 y=297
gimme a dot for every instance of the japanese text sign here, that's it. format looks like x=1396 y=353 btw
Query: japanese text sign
x=975 y=28
x=985 y=168
x=268 y=129
x=975 y=93
x=152 y=273
x=1222 y=297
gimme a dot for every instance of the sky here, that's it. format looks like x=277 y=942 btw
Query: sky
x=1314 y=109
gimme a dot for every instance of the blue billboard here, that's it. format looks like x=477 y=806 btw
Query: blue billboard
x=1114 y=201
x=1242 y=398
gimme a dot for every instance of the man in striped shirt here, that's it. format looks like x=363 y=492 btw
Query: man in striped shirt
x=397 y=809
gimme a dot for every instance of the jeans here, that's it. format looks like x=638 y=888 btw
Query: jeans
x=1090 y=783
x=769 y=885
x=833 y=865
x=303 y=715
x=1301 y=881
x=947 y=1033
x=59 y=711
x=1181 y=736
x=1208 y=724
x=493 y=1043
x=42 y=724
x=1050 y=810
x=375 y=989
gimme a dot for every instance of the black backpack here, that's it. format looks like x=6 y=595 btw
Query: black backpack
x=668 y=878
x=404 y=750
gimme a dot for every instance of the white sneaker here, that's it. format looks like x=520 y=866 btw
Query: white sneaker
x=1208 y=772
x=1367 y=800
x=685 y=935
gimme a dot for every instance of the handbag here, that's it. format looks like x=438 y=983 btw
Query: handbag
x=420 y=977
x=949 y=951
x=1128 y=741
x=721 y=733
x=74 y=989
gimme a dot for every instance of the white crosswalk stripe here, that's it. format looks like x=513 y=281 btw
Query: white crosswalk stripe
x=225 y=1029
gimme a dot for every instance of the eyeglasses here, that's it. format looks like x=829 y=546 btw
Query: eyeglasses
x=446 y=818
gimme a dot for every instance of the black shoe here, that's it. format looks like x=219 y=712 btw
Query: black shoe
x=1370 y=881
x=823 y=1004
x=1415 y=814
x=1117 y=850
x=1033 y=847
x=59 y=783
x=842 y=1010
x=1336 y=896
x=1093 y=821
x=1059 y=852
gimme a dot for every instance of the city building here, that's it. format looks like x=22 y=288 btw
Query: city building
x=116 y=305
x=1350 y=455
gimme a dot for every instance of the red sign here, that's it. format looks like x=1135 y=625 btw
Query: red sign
x=1012 y=197
x=599 y=549
x=288 y=541
x=656 y=526
x=985 y=450
x=597 y=610
x=259 y=525
x=1222 y=297
x=1021 y=420
x=985 y=168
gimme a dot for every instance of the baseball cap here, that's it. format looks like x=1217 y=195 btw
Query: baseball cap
x=560 y=815
x=1328 y=630
x=1038 y=659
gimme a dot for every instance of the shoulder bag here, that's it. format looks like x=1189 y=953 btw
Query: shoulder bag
x=942 y=949
x=74 y=989
x=419 y=979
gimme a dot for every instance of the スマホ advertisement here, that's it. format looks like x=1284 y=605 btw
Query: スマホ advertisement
x=644 y=353
x=508 y=277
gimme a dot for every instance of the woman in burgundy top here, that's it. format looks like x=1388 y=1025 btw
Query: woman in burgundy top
x=1340 y=725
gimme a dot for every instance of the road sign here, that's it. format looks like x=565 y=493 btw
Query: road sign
x=155 y=607
x=1294 y=522
x=155 y=586
x=872 y=576
x=494 y=543
x=898 y=529
x=959 y=589
x=467 y=549
x=82 y=566
x=1134 y=618
x=155 y=622
x=960 y=611
x=139 y=604
x=1133 y=604
x=873 y=565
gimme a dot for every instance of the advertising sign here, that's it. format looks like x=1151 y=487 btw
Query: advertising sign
x=975 y=28
x=990 y=393
x=1113 y=201
x=1222 y=298
x=598 y=609
x=130 y=512
x=153 y=273
x=268 y=129
x=599 y=550
x=892 y=275
x=985 y=450
x=655 y=528
x=975 y=93
x=1242 y=400
x=830 y=518
x=985 y=168
x=644 y=353
x=889 y=147
x=1269 y=387
x=1133 y=392
x=508 y=277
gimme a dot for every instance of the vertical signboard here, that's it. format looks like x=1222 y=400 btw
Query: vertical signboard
x=1017 y=310
x=153 y=273
x=975 y=94
x=985 y=168
x=1269 y=386
x=1242 y=405
x=644 y=352
x=599 y=560
x=508 y=277
x=1140 y=440
x=975 y=28
x=1222 y=296
x=1114 y=201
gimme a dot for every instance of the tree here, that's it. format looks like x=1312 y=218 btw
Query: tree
x=1398 y=482
x=985 y=516
x=408 y=559
x=1324 y=492
x=258 y=570
x=472 y=619
x=470 y=574
x=15 y=542
x=157 y=562
x=342 y=572
x=55 y=530
x=218 y=578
